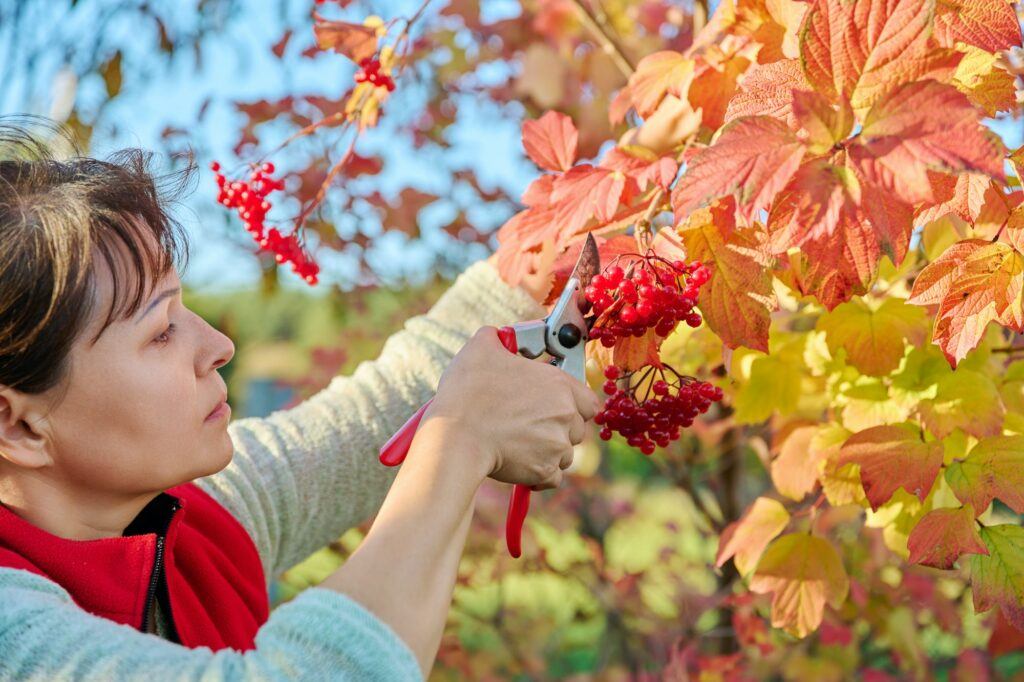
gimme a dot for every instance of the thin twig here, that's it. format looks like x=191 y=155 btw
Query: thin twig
x=607 y=42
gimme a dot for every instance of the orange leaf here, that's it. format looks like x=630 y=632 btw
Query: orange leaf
x=355 y=41
x=803 y=572
x=822 y=124
x=767 y=90
x=657 y=74
x=964 y=196
x=551 y=141
x=714 y=85
x=633 y=353
x=920 y=127
x=861 y=49
x=890 y=457
x=942 y=535
x=974 y=282
x=795 y=471
x=989 y=24
x=753 y=157
x=745 y=540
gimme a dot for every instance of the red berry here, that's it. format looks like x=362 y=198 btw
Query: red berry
x=610 y=387
x=693 y=319
x=611 y=372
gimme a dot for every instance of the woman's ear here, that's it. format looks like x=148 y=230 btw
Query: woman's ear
x=21 y=443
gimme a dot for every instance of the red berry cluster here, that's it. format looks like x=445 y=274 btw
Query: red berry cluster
x=651 y=293
x=656 y=419
x=370 y=71
x=250 y=200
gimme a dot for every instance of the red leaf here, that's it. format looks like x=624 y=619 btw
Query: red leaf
x=891 y=457
x=657 y=170
x=586 y=192
x=551 y=141
x=942 y=535
x=920 y=127
x=754 y=157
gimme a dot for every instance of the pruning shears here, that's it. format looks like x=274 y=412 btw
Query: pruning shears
x=563 y=334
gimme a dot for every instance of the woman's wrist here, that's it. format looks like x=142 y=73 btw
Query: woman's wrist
x=440 y=436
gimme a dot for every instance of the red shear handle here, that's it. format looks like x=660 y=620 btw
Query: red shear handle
x=394 y=451
x=518 y=506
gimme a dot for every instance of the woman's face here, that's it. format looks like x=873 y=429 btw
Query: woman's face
x=133 y=419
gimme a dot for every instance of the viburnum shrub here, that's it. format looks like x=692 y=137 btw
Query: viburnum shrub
x=813 y=190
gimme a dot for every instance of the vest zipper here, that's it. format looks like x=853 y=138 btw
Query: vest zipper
x=158 y=565
x=154 y=581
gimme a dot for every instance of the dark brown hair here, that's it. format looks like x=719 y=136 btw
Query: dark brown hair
x=56 y=216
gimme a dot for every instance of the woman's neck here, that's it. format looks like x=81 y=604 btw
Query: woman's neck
x=72 y=515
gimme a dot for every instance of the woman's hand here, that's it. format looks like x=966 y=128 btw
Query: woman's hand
x=521 y=416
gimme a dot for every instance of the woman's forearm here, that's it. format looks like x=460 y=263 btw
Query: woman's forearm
x=405 y=569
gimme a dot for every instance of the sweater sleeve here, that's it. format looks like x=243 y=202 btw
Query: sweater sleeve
x=301 y=477
x=319 y=635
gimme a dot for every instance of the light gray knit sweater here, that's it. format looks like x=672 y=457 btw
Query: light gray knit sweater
x=298 y=480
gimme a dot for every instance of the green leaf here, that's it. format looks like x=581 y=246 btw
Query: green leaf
x=998 y=579
x=994 y=468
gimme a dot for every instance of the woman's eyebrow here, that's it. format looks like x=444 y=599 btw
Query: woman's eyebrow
x=152 y=304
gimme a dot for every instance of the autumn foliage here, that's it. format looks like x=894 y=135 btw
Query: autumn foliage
x=825 y=136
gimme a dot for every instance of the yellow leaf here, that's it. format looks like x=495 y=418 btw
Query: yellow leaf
x=774 y=386
x=738 y=299
x=804 y=573
x=981 y=77
x=874 y=339
x=966 y=400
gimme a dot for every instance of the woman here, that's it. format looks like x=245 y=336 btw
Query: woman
x=139 y=529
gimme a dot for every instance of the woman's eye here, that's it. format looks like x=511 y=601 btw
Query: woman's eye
x=165 y=336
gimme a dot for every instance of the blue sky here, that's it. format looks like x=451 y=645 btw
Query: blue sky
x=238 y=65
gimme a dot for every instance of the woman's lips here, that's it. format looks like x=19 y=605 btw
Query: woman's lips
x=222 y=410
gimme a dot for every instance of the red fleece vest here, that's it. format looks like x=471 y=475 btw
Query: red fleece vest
x=211 y=579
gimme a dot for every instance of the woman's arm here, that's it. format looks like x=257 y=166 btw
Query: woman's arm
x=301 y=477
x=319 y=635
x=419 y=535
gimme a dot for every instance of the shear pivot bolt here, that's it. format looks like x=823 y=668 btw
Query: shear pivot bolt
x=569 y=335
